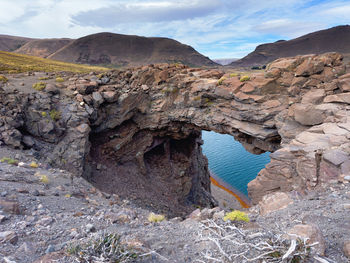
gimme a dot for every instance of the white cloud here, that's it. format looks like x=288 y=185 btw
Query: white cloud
x=216 y=28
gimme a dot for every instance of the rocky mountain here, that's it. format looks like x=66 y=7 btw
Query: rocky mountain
x=336 y=39
x=224 y=61
x=43 y=47
x=11 y=43
x=124 y=50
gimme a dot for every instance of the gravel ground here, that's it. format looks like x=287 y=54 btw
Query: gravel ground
x=48 y=212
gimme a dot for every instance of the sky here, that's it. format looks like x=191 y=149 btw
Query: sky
x=215 y=28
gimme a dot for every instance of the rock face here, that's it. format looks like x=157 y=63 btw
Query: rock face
x=137 y=131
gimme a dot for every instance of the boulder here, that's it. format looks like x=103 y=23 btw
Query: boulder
x=274 y=202
x=307 y=114
x=313 y=235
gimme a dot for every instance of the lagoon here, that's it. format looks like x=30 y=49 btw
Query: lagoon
x=230 y=161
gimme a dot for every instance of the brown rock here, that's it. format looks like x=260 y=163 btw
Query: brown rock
x=307 y=114
x=341 y=98
x=312 y=233
x=11 y=207
x=274 y=202
x=346 y=248
x=309 y=67
x=314 y=96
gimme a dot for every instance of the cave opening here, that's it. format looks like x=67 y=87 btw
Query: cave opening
x=163 y=170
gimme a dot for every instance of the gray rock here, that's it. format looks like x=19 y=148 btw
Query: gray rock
x=90 y=228
x=335 y=157
x=50 y=249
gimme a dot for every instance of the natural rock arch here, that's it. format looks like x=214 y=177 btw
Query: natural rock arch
x=147 y=121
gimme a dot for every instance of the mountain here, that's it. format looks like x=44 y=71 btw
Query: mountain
x=334 y=39
x=125 y=50
x=43 y=47
x=224 y=61
x=11 y=43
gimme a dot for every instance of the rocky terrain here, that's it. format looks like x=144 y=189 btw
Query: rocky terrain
x=135 y=133
x=334 y=39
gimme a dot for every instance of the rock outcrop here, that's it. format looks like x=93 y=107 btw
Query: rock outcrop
x=137 y=131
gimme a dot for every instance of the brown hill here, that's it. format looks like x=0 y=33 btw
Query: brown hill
x=335 y=39
x=11 y=43
x=125 y=50
x=43 y=47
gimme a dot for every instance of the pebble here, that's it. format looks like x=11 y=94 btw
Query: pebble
x=4 y=193
x=347 y=178
x=2 y=218
x=36 y=193
x=90 y=228
x=50 y=249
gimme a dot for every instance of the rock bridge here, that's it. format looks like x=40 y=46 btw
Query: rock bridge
x=137 y=132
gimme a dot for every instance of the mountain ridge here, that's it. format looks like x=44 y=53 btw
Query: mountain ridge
x=335 y=39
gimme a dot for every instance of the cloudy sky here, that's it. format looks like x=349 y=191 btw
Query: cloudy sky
x=216 y=28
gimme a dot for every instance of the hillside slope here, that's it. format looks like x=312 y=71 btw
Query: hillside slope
x=11 y=43
x=335 y=39
x=43 y=47
x=15 y=63
x=125 y=50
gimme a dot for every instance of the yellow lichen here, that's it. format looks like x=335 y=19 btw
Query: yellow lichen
x=236 y=215
x=55 y=115
x=153 y=218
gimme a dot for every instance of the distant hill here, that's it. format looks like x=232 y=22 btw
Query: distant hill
x=11 y=43
x=334 y=39
x=125 y=50
x=43 y=47
x=224 y=61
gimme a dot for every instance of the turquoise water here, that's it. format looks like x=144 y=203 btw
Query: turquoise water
x=230 y=161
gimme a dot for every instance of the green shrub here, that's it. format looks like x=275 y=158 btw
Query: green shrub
x=9 y=160
x=3 y=79
x=233 y=75
x=59 y=79
x=39 y=86
x=108 y=247
x=221 y=80
x=55 y=115
x=43 y=78
x=244 y=78
x=236 y=215
x=154 y=218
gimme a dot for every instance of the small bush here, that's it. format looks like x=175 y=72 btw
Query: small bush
x=39 y=86
x=55 y=115
x=43 y=78
x=244 y=78
x=9 y=161
x=233 y=75
x=3 y=79
x=154 y=218
x=236 y=215
x=221 y=80
x=44 y=179
x=107 y=248
x=44 y=114
x=34 y=165
x=59 y=79
x=197 y=98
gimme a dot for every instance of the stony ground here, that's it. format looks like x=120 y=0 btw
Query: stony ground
x=44 y=213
